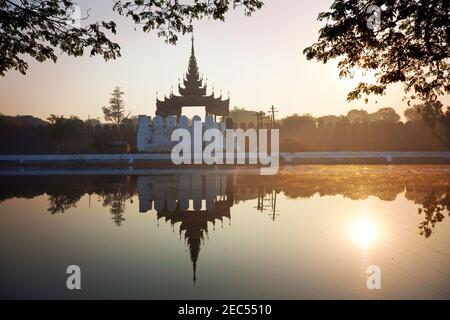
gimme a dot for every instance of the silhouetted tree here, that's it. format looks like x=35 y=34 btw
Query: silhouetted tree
x=63 y=129
x=432 y=113
x=171 y=18
x=240 y=114
x=115 y=112
x=92 y=122
x=36 y=28
x=327 y=121
x=408 y=45
x=297 y=122
x=412 y=114
x=385 y=115
x=358 y=116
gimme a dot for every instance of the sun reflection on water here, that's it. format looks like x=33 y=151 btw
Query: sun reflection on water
x=364 y=231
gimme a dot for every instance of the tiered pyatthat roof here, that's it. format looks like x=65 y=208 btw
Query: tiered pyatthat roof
x=193 y=94
x=193 y=83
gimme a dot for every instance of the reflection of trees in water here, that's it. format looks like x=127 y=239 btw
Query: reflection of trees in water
x=435 y=206
x=64 y=192
x=428 y=187
x=116 y=202
x=58 y=203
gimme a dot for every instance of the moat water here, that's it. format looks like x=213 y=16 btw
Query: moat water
x=310 y=232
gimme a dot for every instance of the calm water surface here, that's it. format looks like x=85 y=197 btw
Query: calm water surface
x=309 y=232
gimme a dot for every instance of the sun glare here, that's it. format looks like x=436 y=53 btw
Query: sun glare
x=363 y=231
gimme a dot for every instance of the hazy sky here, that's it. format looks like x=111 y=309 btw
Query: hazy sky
x=258 y=59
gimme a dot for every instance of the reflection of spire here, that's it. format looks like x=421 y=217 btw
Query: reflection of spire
x=193 y=224
x=194 y=266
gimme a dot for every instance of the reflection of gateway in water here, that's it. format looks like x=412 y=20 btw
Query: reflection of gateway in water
x=192 y=200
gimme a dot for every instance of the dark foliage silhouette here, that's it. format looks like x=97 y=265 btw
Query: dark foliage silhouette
x=172 y=18
x=435 y=206
x=115 y=111
x=116 y=202
x=410 y=45
x=433 y=114
x=61 y=202
x=37 y=28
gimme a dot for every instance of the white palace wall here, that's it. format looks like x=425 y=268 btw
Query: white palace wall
x=153 y=135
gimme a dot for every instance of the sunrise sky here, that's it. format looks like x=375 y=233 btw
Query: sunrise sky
x=258 y=59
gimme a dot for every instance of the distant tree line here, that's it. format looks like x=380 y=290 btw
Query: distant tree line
x=27 y=134
x=359 y=130
x=64 y=135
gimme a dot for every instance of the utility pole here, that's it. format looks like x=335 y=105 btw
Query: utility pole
x=272 y=112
